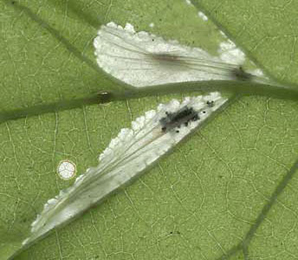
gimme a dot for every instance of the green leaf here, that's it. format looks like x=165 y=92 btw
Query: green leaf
x=228 y=192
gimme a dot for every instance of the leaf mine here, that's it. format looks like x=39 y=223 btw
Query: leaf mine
x=142 y=59
x=134 y=150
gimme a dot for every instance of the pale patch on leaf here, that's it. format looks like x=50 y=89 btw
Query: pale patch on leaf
x=142 y=59
x=66 y=170
x=229 y=53
x=203 y=16
x=130 y=153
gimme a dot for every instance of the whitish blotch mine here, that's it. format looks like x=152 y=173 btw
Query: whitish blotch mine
x=134 y=150
x=142 y=59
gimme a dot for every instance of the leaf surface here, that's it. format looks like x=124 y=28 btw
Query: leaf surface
x=228 y=192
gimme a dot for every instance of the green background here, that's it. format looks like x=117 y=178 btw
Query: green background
x=229 y=192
